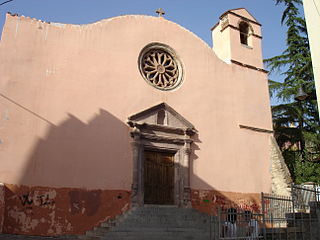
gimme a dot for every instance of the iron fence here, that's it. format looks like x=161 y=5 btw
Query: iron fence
x=291 y=217
x=240 y=224
x=275 y=209
x=304 y=195
x=276 y=215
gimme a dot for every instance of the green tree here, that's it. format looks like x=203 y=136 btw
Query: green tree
x=296 y=122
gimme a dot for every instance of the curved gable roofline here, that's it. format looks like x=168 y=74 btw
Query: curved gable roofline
x=151 y=17
x=112 y=19
x=106 y=20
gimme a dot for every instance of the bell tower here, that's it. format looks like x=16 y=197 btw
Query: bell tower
x=237 y=38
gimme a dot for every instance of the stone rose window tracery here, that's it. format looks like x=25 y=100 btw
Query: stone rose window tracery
x=160 y=66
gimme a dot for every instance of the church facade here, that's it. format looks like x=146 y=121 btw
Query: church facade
x=128 y=111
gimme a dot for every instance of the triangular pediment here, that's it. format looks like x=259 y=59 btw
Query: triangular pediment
x=161 y=115
x=244 y=13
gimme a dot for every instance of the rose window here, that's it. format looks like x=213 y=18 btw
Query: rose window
x=159 y=67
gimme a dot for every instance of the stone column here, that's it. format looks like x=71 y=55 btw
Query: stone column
x=186 y=175
x=136 y=183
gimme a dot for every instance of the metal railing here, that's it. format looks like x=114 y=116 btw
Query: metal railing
x=276 y=216
x=304 y=195
x=240 y=224
x=275 y=209
x=292 y=217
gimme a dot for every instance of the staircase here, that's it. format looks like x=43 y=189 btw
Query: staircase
x=155 y=222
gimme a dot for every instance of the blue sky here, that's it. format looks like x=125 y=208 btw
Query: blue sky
x=197 y=16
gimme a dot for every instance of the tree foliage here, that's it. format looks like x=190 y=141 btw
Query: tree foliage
x=296 y=124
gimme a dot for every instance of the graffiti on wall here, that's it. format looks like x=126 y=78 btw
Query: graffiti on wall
x=210 y=201
x=29 y=199
x=36 y=199
x=60 y=211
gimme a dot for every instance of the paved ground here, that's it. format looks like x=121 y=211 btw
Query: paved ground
x=24 y=237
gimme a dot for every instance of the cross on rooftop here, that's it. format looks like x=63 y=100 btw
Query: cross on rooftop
x=160 y=12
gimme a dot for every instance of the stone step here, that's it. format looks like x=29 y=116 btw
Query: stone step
x=85 y=237
x=147 y=231
x=159 y=208
x=164 y=225
x=158 y=222
x=4 y=236
x=158 y=229
x=156 y=238
x=173 y=216
x=142 y=237
x=165 y=219
x=163 y=234
x=191 y=214
x=154 y=222
x=177 y=214
x=166 y=210
x=108 y=224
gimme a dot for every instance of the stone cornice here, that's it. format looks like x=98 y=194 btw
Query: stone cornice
x=248 y=66
x=164 y=138
x=238 y=29
x=162 y=128
x=256 y=129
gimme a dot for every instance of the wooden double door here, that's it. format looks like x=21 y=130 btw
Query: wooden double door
x=158 y=177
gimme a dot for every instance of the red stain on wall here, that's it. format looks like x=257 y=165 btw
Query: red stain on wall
x=209 y=201
x=89 y=201
x=2 y=205
x=59 y=211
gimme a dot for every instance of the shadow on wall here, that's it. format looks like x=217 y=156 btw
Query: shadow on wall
x=75 y=178
x=80 y=175
x=208 y=199
x=96 y=155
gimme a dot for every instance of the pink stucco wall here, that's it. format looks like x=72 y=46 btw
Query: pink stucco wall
x=226 y=38
x=59 y=211
x=67 y=91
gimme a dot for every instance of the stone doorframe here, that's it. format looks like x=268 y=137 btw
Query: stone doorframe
x=174 y=136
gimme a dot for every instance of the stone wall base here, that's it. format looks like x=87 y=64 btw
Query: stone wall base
x=48 y=211
x=209 y=201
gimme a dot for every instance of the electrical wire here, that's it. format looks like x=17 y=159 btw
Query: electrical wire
x=24 y=108
x=6 y=2
x=316 y=7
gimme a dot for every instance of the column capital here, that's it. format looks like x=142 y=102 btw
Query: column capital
x=186 y=151
x=135 y=133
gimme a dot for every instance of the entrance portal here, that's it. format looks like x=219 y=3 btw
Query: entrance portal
x=161 y=150
x=158 y=178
